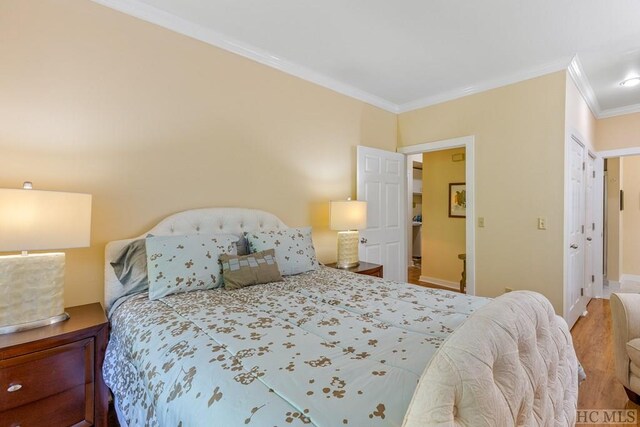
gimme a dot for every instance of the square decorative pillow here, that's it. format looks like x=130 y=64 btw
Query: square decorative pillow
x=186 y=263
x=295 y=253
x=248 y=270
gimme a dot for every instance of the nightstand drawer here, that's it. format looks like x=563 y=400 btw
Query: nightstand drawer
x=40 y=377
x=63 y=409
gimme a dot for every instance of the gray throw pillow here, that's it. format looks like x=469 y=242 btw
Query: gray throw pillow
x=242 y=245
x=248 y=270
x=130 y=268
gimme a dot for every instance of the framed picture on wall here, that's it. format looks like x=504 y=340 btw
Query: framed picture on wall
x=458 y=200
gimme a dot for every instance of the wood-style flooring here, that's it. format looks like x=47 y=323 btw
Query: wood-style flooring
x=414 y=279
x=593 y=341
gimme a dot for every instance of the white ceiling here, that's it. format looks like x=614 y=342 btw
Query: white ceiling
x=402 y=55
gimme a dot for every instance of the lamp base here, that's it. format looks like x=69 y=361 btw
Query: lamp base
x=9 y=329
x=348 y=256
x=32 y=289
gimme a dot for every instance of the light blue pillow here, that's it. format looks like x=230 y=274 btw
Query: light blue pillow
x=186 y=263
x=295 y=253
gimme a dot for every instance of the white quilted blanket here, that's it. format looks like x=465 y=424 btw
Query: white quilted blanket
x=511 y=364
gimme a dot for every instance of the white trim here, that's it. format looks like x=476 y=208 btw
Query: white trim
x=172 y=22
x=598 y=219
x=625 y=277
x=440 y=282
x=146 y=12
x=483 y=86
x=581 y=80
x=584 y=87
x=468 y=142
x=620 y=152
x=620 y=111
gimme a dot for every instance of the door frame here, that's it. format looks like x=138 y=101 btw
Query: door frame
x=468 y=143
x=600 y=156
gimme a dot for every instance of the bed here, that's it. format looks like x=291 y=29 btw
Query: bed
x=330 y=348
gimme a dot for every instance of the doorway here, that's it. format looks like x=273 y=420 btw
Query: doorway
x=446 y=212
x=621 y=213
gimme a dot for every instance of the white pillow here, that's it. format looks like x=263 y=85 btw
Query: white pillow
x=186 y=263
x=294 y=248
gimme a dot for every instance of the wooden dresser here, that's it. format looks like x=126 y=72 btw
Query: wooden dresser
x=51 y=376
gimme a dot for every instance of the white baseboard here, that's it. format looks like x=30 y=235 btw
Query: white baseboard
x=440 y=282
x=630 y=278
x=612 y=283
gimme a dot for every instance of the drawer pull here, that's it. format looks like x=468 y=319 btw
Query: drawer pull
x=14 y=387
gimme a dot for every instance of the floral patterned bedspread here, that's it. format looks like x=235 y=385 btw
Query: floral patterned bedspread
x=326 y=348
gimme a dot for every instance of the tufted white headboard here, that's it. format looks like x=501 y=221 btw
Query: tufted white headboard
x=196 y=221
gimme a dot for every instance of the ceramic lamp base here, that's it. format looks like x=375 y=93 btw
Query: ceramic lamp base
x=32 y=289
x=348 y=249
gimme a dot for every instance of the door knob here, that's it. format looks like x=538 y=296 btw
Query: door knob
x=363 y=241
x=574 y=246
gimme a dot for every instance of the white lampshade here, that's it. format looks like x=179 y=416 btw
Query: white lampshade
x=36 y=220
x=348 y=215
x=32 y=286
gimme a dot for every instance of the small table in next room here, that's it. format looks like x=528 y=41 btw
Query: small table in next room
x=365 y=268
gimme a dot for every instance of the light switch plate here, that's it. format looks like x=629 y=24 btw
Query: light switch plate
x=481 y=222
x=542 y=223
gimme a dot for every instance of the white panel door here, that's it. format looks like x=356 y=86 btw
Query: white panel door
x=577 y=300
x=590 y=226
x=382 y=184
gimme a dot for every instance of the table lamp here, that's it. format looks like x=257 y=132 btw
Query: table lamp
x=32 y=285
x=348 y=216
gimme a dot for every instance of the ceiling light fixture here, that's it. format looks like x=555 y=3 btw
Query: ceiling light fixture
x=630 y=82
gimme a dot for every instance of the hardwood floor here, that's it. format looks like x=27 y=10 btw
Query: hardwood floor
x=414 y=279
x=593 y=341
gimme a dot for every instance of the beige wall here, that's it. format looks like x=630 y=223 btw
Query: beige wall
x=614 y=219
x=151 y=122
x=519 y=137
x=443 y=238
x=631 y=216
x=618 y=132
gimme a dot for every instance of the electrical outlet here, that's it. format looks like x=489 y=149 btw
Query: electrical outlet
x=542 y=223
x=481 y=222
x=508 y=290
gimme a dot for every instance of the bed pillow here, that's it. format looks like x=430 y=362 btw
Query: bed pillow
x=130 y=267
x=249 y=270
x=186 y=263
x=294 y=248
x=242 y=245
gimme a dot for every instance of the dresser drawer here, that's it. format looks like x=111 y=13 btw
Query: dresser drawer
x=38 y=385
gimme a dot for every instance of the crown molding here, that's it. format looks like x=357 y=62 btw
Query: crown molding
x=548 y=68
x=145 y=12
x=612 y=112
x=182 y=26
x=584 y=87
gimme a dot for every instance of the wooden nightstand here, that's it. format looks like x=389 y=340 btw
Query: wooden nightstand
x=366 y=268
x=53 y=375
